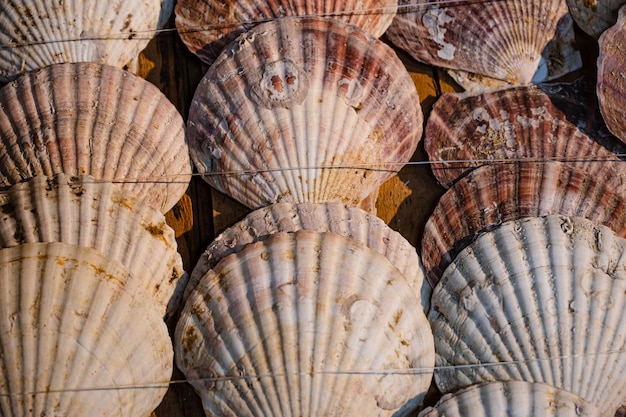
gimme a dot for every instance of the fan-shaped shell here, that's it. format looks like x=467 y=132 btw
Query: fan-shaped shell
x=206 y=27
x=305 y=323
x=611 y=85
x=75 y=341
x=296 y=96
x=464 y=131
x=511 y=398
x=97 y=120
x=538 y=300
x=35 y=34
x=498 y=39
x=594 y=16
x=494 y=194
x=99 y=215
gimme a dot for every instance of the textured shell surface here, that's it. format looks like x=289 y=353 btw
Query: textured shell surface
x=497 y=39
x=221 y=22
x=494 y=194
x=611 y=85
x=42 y=33
x=512 y=399
x=307 y=323
x=301 y=110
x=539 y=300
x=594 y=16
x=512 y=124
x=96 y=120
x=99 y=215
x=69 y=345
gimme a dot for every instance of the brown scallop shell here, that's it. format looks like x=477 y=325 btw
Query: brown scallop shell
x=206 y=27
x=494 y=194
x=96 y=120
x=521 y=123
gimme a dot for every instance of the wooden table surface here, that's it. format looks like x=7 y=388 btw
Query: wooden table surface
x=404 y=202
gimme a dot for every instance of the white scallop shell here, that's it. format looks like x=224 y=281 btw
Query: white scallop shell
x=540 y=300
x=511 y=399
x=74 y=341
x=36 y=33
x=303 y=110
x=99 y=215
x=594 y=16
x=305 y=323
x=96 y=120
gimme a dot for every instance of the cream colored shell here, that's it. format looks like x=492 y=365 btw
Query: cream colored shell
x=305 y=323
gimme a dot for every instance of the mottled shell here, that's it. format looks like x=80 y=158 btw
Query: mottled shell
x=464 y=131
x=498 y=39
x=494 y=194
x=75 y=341
x=541 y=300
x=305 y=323
x=511 y=399
x=96 y=120
x=35 y=33
x=292 y=98
x=99 y=215
x=594 y=16
x=206 y=27
x=611 y=86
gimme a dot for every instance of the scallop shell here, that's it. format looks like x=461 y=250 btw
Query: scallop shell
x=206 y=27
x=594 y=16
x=99 y=215
x=74 y=340
x=35 y=34
x=498 y=39
x=305 y=323
x=494 y=194
x=611 y=85
x=464 y=131
x=538 y=300
x=511 y=398
x=96 y=120
x=294 y=97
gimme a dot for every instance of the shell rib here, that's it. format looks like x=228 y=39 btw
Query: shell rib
x=538 y=300
x=99 y=215
x=304 y=110
x=302 y=317
x=221 y=22
x=351 y=222
x=42 y=33
x=611 y=85
x=72 y=332
x=498 y=39
x=512 y=124
x=594 y=16
x=511 y=399
x=96 y=120
x=494 y=194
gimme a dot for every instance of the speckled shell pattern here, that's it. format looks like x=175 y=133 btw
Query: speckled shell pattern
x=611 y=85
x=511 y=399
x=50 y=293
x=294 y=95
x=206 y=27
x=90 y=119
x=100 y=215
x=42 y=33
x=337 y=218
x=499 y=39
x=494 y=194
x=594 y=16
x=308 y=324
x=535 y=289
x=521 y=123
